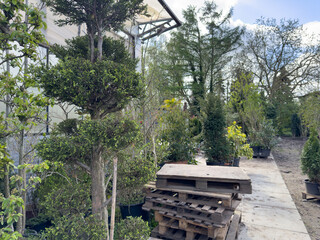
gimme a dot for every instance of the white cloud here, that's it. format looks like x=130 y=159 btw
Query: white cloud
x=312 y=33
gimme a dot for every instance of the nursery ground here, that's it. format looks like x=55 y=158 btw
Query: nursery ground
x=287 y=156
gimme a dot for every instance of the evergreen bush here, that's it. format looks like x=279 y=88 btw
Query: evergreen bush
x=132 y=229
x=310 y=157
x=216 y=146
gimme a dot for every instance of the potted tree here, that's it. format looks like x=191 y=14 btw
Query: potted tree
x=310 y=163
x=238 y=143
x=136 y=168
x=216 y=145
x=263 y=139
x=175 y=131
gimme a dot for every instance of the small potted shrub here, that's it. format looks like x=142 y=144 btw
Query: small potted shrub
x=132 y=229
x=267 y=138
x=263 y=139
x=310 y=163
x=136 y=168
x=238 y=142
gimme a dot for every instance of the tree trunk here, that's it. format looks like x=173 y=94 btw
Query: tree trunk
x=6 y=181
x=100 y=42
x=22 y=186
x=114 y=195
x=91 y=45
x=98 y=185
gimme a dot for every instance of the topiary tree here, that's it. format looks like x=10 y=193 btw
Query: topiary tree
x=216 y=146
x=310 y=157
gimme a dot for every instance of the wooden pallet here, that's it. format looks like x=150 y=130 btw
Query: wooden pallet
x=216 y=179
x=191 y=228
x=201 y=212
x=312 y=197
x=233 y=230
x=229 y=201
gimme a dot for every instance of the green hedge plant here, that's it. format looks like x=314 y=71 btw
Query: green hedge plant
x=310 y=157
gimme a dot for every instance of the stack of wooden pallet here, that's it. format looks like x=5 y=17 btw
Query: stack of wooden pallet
x=197 y=202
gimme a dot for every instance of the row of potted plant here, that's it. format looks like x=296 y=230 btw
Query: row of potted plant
x=310 y=163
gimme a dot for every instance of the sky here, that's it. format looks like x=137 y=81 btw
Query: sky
x=247 y=11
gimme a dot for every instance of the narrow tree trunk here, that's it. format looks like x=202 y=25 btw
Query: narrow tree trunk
x=22 y=186
x=100 y=42
x=91 y=45
x=114 y=195
x=98 y=185
x=6 y=181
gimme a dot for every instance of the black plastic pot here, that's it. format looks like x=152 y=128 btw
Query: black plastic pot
x=256 y=151
x=134 y=210
x=209 y=163
x=236 y=162
x=312 y=188
x=264 y=153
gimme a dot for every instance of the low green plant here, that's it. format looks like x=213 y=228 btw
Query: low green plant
x=132 y=229
x=264 y=136
x=310 y=157
x=238 y=142
x=75 y=227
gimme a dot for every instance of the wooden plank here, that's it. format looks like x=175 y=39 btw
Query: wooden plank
x=218 y=215
x=152 y=185
x=312 y=197
x=220 y=173
x=234 y=227
x=191 y=229
x=232 y=203
x=197 y=185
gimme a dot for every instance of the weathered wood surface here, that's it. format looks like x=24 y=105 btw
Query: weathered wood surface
x=308 y=196
x=204 y=185
x=191 y=229
x=234 y=226
x=228 y=201
x=224 y=196
x=221 y=173
x=213 y=215
x=215 y=179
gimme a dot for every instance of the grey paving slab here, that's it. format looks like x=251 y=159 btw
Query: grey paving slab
x=269 y=212
x=257 y=232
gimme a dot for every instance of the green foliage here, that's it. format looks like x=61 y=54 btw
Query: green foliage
x=216 y=145
x=296 y=128
x=71 y=199
x=132 y=229
x=78 y=47
x=201 y=53
x=136 y=168
x=264 y=135
x=113 y=133
x=74 y=227
x=175 y=131
x=310 y=157
x=97 y=88
x=310 y=110
x=16 y=35
x=9 y=215
x=238 y=141
x=112 y=14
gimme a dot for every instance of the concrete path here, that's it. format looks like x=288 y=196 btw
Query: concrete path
x=269 y=213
